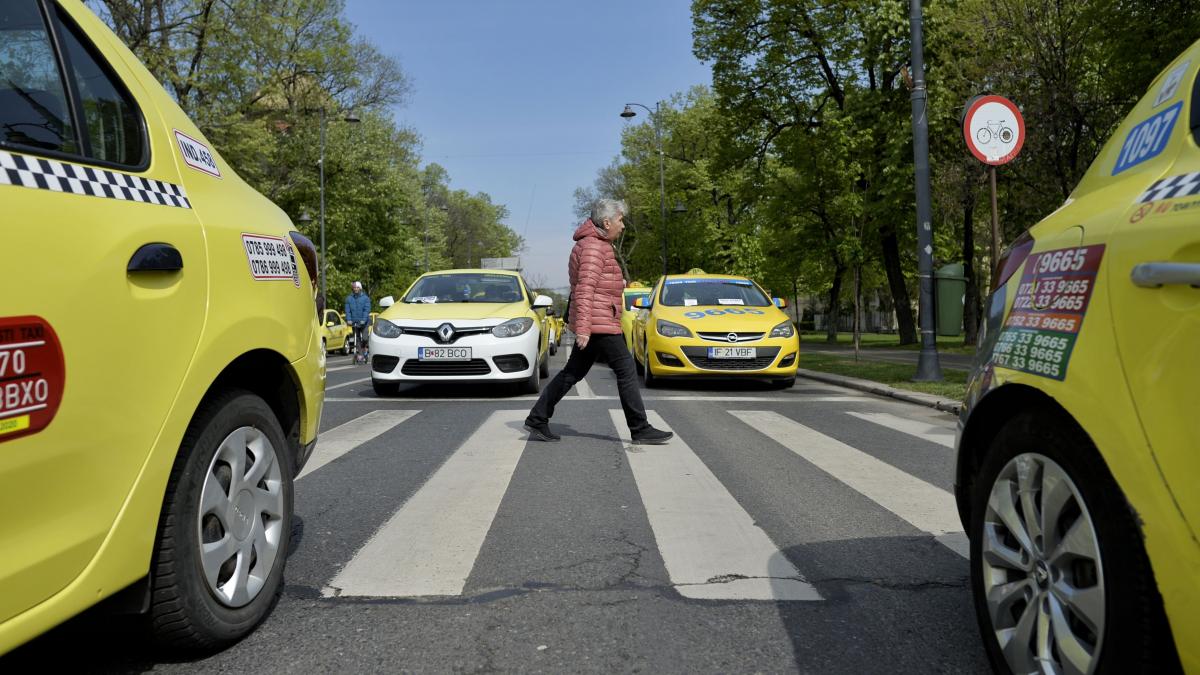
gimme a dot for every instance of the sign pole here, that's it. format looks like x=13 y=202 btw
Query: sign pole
x=996 y=243
x=929 y=369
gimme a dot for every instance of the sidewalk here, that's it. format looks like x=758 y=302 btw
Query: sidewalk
x=904 y=356
x=927 y=400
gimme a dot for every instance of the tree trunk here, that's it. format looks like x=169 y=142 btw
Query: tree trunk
x=835 y=291
x=895 y=274
x=971 y=306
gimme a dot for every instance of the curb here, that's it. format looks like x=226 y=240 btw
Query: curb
x=927 y=400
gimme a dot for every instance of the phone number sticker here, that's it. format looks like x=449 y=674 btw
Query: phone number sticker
x=32 y=376
x=1048 y=311
x=271 y=258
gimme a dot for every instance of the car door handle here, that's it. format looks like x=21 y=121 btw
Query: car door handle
x=155 y=257
x=1157 y=274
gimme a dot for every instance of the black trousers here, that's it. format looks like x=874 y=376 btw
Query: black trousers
x=612 y=347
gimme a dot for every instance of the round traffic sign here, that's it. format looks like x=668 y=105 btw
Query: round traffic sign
x=994 y=129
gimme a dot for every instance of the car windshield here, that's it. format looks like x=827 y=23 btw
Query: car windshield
x=706 y=292
x=631 y=298
x=467 y=287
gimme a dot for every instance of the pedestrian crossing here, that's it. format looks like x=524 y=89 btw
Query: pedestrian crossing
x=711 y=545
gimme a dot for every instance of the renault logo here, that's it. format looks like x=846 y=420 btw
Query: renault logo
x=445 y=332
x=732 y=337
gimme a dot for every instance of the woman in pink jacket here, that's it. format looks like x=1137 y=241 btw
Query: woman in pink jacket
x=595 y=318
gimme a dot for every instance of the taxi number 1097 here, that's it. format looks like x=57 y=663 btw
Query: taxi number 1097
x=14 y=359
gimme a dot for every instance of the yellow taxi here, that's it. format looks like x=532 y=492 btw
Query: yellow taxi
x=713 y=325
x=154 y=475
x=336 y=332
x=467 y=325
x=1078 y=464
x=629 y=310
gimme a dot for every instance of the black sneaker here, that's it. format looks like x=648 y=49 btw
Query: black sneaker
x=651 y=436
x=542 y=432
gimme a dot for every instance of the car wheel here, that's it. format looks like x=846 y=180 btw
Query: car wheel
x=384 y=388
x=1060 y=578
x=648 y=377
x=346 y=348
x=553 y=349
x=226 y=521
x=533 y=384
x=544 y=368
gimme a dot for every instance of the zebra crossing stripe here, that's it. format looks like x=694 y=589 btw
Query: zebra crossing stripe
x=929 y=432
x=711 y=547
x=340 y=440
x=584 y=390
x=924 y=506
x=430 y=544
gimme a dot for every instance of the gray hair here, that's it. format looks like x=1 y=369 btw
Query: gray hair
x=606 y=209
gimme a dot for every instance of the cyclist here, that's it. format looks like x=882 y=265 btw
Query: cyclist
x=358 y=313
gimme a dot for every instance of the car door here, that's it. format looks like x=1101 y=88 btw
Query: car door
x=1154 y=279
x=104 y=295
x=337 y=331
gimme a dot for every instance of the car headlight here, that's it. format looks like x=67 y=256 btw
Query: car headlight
x=386 y=329
x=668 y=329
x=785 y=330
x=513 y=327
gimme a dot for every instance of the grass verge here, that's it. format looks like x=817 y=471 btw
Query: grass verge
x=896 y=375
x=946 y=345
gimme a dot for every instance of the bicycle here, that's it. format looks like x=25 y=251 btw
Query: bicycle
x=361 y=345
x=994 y=130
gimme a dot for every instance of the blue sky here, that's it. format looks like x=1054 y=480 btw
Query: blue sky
x=520 y=99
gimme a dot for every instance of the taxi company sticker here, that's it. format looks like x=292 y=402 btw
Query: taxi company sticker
x=32 y=376
x=721 y=312
x=271 y=258
x=1171 y=84
x=1048 y=310
x=196 y=154
x=1148 y=139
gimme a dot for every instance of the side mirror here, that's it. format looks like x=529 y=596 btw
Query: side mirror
x=641 y=303
x=542 y=301
x=780 y=303
x=387 y=301
x=550 y=311
x=330 y=324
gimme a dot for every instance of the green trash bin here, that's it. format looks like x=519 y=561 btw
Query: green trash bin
x=951 y=289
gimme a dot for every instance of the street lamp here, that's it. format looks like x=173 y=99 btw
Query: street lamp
x=352 y=119
x=628 y=113
x=679 y=209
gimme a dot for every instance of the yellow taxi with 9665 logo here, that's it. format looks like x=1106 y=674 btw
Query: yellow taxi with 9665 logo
x=713 y=325
x=161 y=369
x=1078 y=461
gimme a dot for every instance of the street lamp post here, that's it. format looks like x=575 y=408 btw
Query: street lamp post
x=662 y=181
x=353 y=119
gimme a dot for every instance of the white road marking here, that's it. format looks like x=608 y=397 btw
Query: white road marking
x=429 y=546
x=348 y=384
x=923 y=430
x=334 y=370
x=584 y=390
x=711 y=547
x=342 y=439
x=926 y=507
x=569 y=399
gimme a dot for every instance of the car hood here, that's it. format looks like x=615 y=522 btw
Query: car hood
x=463 y=311
x=722 y=318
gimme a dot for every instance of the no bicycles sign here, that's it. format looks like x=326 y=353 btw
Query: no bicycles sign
x=994 y=129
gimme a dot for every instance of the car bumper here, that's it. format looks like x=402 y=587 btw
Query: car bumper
x=673 y=357
x=492 y=359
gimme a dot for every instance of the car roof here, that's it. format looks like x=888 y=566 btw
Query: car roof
x=509 y=273
x=707 y=276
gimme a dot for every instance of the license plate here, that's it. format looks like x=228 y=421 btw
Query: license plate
x=732 y=352
x=444 y=353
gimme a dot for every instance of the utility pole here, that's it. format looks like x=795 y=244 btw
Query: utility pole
x=928 y=367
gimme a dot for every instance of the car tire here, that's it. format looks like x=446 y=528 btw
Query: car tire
x=648 y=377
x=384 y=388
x=544 y=368
x=1133 y=634
x=346 y=348
x=187 y=610
x=533 y=384
x=553 y=349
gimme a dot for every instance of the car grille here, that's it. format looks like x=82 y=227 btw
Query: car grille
x=699 y=358
x=724 y=337
x=431 y=333
x=415 y=367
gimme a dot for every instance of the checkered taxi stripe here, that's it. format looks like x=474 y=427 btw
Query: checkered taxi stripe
x=49 y=174
x=1183 y=185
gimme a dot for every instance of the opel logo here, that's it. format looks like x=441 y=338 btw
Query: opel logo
x=732 y=337
x=445 y=332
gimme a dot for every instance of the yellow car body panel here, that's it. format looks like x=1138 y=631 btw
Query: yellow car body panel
x=648 y=344
x=84 y=494
x=335 y=336
x=629 y=312
x=1132 y=372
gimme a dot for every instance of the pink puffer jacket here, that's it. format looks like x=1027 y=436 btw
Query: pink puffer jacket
x=596 y=283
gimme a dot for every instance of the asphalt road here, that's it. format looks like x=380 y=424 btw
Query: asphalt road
x=809 y=530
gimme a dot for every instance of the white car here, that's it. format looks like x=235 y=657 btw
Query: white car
x=473 y=325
